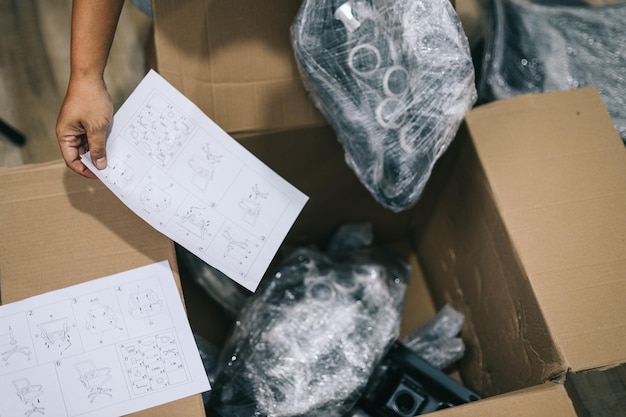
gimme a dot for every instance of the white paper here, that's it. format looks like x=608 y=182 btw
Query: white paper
x=185 y=176
x=107 y=347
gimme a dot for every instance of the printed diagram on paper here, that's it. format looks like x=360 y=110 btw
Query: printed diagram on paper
x=190 y=180
x=111 y=346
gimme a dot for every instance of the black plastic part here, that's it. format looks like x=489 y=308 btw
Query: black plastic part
x=404 y=385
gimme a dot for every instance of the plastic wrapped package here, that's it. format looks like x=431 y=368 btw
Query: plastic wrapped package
x=209 y=354
x=394 y=78
x=438 y=341
x=532 y=48
x=307 y=341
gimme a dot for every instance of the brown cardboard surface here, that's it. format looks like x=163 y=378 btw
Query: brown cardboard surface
x=557 y=169
x=545 y=400
x=234 y=60
x=60 y=229
x=470 y=262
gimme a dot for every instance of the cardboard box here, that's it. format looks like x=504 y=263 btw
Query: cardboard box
x=60 y=229
x=520 y=227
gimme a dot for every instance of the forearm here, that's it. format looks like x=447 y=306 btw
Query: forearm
x=93 y=28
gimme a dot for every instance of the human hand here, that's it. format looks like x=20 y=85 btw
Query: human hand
x=85 y=116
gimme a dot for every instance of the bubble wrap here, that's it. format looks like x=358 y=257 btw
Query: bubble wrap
x=309 y=338
x=394 y=78
x=437 y=341
x=532 y=48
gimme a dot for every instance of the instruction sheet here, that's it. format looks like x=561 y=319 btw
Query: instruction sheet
x=107 y=347
x=185 y=176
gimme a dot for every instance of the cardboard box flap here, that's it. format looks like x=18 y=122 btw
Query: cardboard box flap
x=471 y=263
x=235 y=61
x=557 y=169
x=547 y=399
x=61 y=229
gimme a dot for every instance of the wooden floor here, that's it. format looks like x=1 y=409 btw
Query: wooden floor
x=34 y=69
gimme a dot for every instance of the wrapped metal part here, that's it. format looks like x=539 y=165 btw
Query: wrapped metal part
x=307 y=341
x=438 y=341
x=394 y=78
x=533 y=48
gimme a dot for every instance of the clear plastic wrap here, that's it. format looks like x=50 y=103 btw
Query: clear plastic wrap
x=210 y=356
x=394 y=78
x=532 y=48
x=438 y=341
x=307 y=341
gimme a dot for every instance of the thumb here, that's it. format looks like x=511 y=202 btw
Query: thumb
x=96 y=137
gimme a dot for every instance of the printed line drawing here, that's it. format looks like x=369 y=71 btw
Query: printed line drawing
x=119 y=173
x=236 y=249
x=71 y=374
x=251 y=205
x=160 y=130
x=94 y=379
x=29 y=395
x=100 y=319
x=195 y=221
x=153 y=363
x=8 y=342
x=154 y=199
x=204 y=167
x=144 y=304
x=56 y=333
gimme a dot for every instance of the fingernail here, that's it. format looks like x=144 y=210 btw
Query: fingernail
x=101 y=163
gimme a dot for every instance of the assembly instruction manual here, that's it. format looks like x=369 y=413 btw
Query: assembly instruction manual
x=179 y=171
x=107 y=347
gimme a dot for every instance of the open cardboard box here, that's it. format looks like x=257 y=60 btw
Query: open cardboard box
x=521 y=226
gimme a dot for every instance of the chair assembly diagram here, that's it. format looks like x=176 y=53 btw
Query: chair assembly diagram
x=196 y=221
x=144 y=304
x=160 y=130
x=56 y=334
x=100 y=347
x=9 y=346
x=154 y=199
x=94 y=379
x=236 y=249
x=29 y=395
x=191 y=179
x=251 y=205
x=100 y=319
x=119 y=173
x=203 y=167
x=153 y=363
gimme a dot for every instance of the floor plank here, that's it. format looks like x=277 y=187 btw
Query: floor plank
x=34 y=69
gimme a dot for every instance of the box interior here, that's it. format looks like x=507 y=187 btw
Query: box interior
x=464 y=248
x=505 y=230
